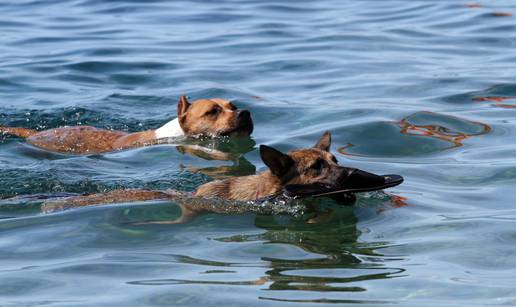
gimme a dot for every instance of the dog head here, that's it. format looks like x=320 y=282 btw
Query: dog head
x=316 y=172
x=213 y=117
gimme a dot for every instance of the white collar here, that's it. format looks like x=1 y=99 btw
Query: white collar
x=170 y=130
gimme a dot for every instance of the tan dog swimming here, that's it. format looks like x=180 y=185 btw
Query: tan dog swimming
x=204 y=117
x=303 y=172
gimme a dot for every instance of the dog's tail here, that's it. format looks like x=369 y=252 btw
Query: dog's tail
x=20 y=132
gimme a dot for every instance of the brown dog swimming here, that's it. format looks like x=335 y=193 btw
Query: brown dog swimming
x=304 y=172
x=204 y=117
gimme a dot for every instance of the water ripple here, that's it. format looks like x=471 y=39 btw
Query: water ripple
x=420 y=88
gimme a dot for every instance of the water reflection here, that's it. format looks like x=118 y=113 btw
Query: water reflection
x=343 y=264
x=421 y=124
x=499 y=101
x=473 y=5
x=502 y=14
x=396 y=201
x=221 y=149
x=494 y=14
x=317 y=260
x=453 y=130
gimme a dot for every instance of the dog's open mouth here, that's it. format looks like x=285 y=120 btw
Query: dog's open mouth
x=357 y=181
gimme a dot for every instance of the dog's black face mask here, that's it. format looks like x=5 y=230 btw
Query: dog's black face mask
x=314 y=172
x=351 y=180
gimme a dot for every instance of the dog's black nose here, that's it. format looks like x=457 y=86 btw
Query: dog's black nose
x=244 y=114
x=244 y=121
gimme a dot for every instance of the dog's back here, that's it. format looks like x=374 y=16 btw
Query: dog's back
x=76 y=140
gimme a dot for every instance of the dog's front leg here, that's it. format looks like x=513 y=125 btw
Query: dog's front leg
x=186 y=216
x=318 y=216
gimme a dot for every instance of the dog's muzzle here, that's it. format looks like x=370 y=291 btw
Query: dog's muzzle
x=351 y=180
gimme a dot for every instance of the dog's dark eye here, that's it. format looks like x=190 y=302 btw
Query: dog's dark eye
x=232 y=107
x=318 y=166
x=213 y=111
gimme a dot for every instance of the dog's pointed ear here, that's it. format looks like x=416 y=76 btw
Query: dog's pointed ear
x=324 y=142
x=278 y=162
x=182 y=106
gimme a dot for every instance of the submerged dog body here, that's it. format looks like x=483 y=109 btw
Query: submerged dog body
x=206 y=117
x=311 y=167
